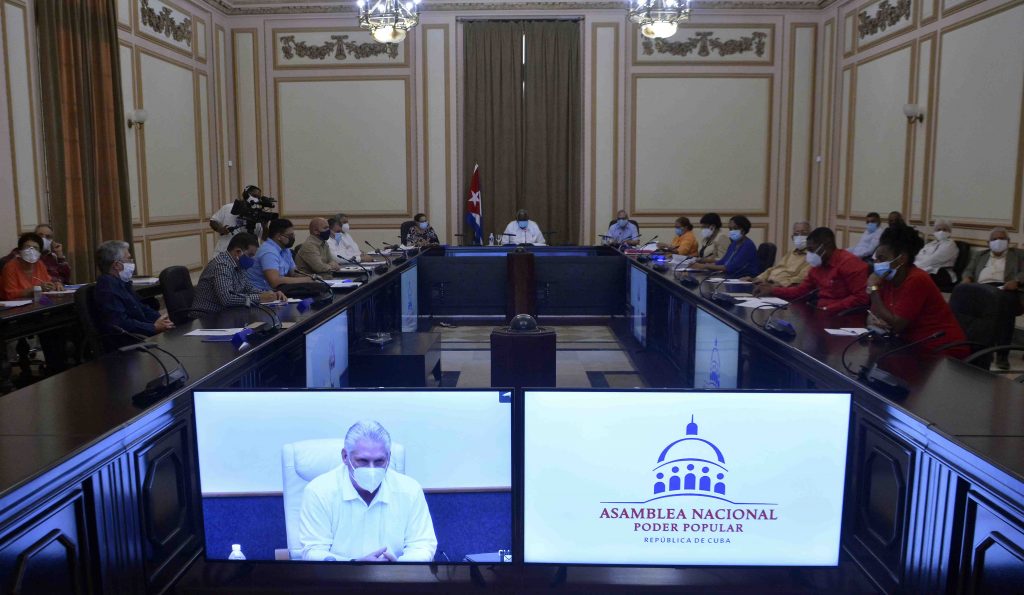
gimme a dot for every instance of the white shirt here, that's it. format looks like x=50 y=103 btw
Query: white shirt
x=224 y=217
x=335 y=520
x=346 y=247
x=867 y=244
x=937 y=254
x=530 y=235
x=994 y=271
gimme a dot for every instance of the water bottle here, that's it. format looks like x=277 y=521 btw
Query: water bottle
x=236 y=552
x=490 y=240
x=37 y=293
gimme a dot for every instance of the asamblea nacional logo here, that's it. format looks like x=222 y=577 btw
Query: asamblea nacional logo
x=689 y=495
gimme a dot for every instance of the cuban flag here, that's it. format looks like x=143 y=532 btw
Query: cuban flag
x=473 y=210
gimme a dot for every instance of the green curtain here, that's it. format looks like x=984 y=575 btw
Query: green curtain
x=83 y=126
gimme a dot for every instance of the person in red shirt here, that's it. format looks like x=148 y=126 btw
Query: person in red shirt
x=839 y=276
x=20 y=275
x=53 y=255
x=905 y=300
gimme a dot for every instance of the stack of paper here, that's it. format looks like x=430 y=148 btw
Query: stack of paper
x=846 y=331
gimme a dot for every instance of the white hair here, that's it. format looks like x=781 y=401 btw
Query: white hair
x=942 y=222
x=369 y=430
x=807 y=223
x=110 y=252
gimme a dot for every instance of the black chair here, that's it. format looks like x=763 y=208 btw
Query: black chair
x=403 y=231
x=766 y=253
x=949 y=277
x=176 y=284
x=986 y=315
x=92 y=345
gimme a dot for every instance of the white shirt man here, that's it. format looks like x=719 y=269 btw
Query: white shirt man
x=341 y=243
x=516 y=233
x=869 y=239
x=940 y=253
x=225 y=219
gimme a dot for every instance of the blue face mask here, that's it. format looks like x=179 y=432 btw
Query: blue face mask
x=623 y=222
x=679 y=231
x=524 y=224
x=246 y=262
x=885 y=270
x=872 y=227
x=337 y=236
x=735 y=235
x=424 y=224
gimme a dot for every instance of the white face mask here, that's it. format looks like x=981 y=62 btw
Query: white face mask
x=941 y=235
x=998 y=246
x=706 y=233
x=47 y=242
x=368 y=478
x=813 y=259
x=345 y=227
x=127 y=272
x=30 y=255
x=800 y=242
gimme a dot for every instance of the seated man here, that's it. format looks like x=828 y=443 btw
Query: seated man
x=1001 y=267
x=52 y=255
x=314 y=256
x=869 y=239
x=342 y=245
x=119 y=311
x=622 y=231
x=224 y=283
x=523 y=231
x=792 y=269
x=364 y=512
x=840 y=277
x=896 y=218
x=940 y=253
x=275 y=266
x=421 y=234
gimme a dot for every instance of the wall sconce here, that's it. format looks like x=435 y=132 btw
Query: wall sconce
x=913 y=113
x=137 y=118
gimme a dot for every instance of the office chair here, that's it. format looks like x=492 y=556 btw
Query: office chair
x=403 y=231
x=766 y=254
x=301 y=463
x=91 y=346
x=949 y=277
x=986 y=316
x=176 y=284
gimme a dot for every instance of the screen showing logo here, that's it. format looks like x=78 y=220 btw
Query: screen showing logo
x=638 y=303
x=716 y=353
x=410 y=306
x=659 y=478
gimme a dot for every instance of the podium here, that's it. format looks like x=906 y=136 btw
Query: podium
x=522 y=284
x=523 y=358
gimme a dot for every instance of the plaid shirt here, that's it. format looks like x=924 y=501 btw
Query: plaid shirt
x=223 y=284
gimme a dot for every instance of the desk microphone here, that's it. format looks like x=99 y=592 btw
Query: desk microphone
x=722 y=298
x=275 y=320
x=640 y=245
x=886 y=381
x=156 y=387
x=330 y=290
x=367 y=271
x=783 y=328
x=379 y=251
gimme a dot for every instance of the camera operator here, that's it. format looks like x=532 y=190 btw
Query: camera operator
x=251 y=212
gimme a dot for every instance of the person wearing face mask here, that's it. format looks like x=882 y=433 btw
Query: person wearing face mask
x=341 y=243
x=26 y=271
x=314 y=256
x=523 y=231
x=421 y=234
x=685 y=242
x=713 y=242
x=119 y=309
x=53 y=255
x=622 y=231
x=1002 y=268
x=275 y=266
x=938 y=256
x=740 y=259
x=224 y=283
x=865 y=247
x=363 y=511
x=840 y=277
x=904 y=299
x=793 y=267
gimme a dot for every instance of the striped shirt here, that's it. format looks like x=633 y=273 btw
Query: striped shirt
x=223 y=284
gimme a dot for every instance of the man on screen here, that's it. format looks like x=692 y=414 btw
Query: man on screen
x=364 y=512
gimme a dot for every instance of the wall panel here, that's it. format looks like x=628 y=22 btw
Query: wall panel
x=227 y=180
x=436 y=123
x=604 y=170
x=22 y=115
x=800 y=124
x=681 y=158
x=170 y=250
x=248 y=136
x=203 y=153
x=132 y=135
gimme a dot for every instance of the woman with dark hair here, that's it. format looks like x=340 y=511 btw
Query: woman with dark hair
x=22 y=274
x=740 y=259
x=421 y=234
x=904 y=298
x=713 y=243
x=685 y=242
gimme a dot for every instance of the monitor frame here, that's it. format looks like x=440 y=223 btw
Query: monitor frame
x=692 y=372
x=347 y=312
x=515 y=444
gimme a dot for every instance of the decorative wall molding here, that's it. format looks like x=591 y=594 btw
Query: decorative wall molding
x=703 y=44
x=340 y=46
x=164 y=23
x=886 y=16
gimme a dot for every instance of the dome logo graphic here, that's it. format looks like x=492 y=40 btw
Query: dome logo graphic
x=691 y=467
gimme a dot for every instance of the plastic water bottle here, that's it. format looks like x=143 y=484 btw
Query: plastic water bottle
x=37 y=293
x=236 y=552
x=490 y=240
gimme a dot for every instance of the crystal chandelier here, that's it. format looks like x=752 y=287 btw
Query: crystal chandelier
x=388 y=20
x=659 y=18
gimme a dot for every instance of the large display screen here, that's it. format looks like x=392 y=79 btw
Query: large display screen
x=638 y=303
x=410 y=303
x=327 y=353
x=716 y=353
x=683 y=479
x=356 y=475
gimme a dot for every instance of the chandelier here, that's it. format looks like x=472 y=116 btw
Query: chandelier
x=659 y=18
x=388 y=20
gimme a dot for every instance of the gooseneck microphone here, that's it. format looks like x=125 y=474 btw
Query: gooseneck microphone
x=886 y=381
x=379 y=251
x=366 y=271
x=157 y=387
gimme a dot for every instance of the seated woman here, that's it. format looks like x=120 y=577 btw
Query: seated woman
x=904 y=299
x=685 y=242
x=740 y=260
x=421 y=234
x=22 y=274
x=713 y=243
x=941 y=253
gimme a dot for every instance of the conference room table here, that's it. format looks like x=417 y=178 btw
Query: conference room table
x=98 y=494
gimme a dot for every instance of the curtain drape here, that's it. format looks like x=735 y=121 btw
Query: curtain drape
x=83 y=127
x=551 y=148
x=493 y=118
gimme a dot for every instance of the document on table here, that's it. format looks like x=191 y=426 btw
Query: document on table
x=846 y=332
x=61 y=292
x=145 y=281
x=758 y=302
x=343 y=283
x=214 y=332
x=282 y=302
x=15 y=303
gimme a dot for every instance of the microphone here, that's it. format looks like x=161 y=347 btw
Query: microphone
x=886 y=381
x=275 y=320
x=379 y=251
x=319 y=279
x=644 y=257
x=157 y=387
x=722 y=298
